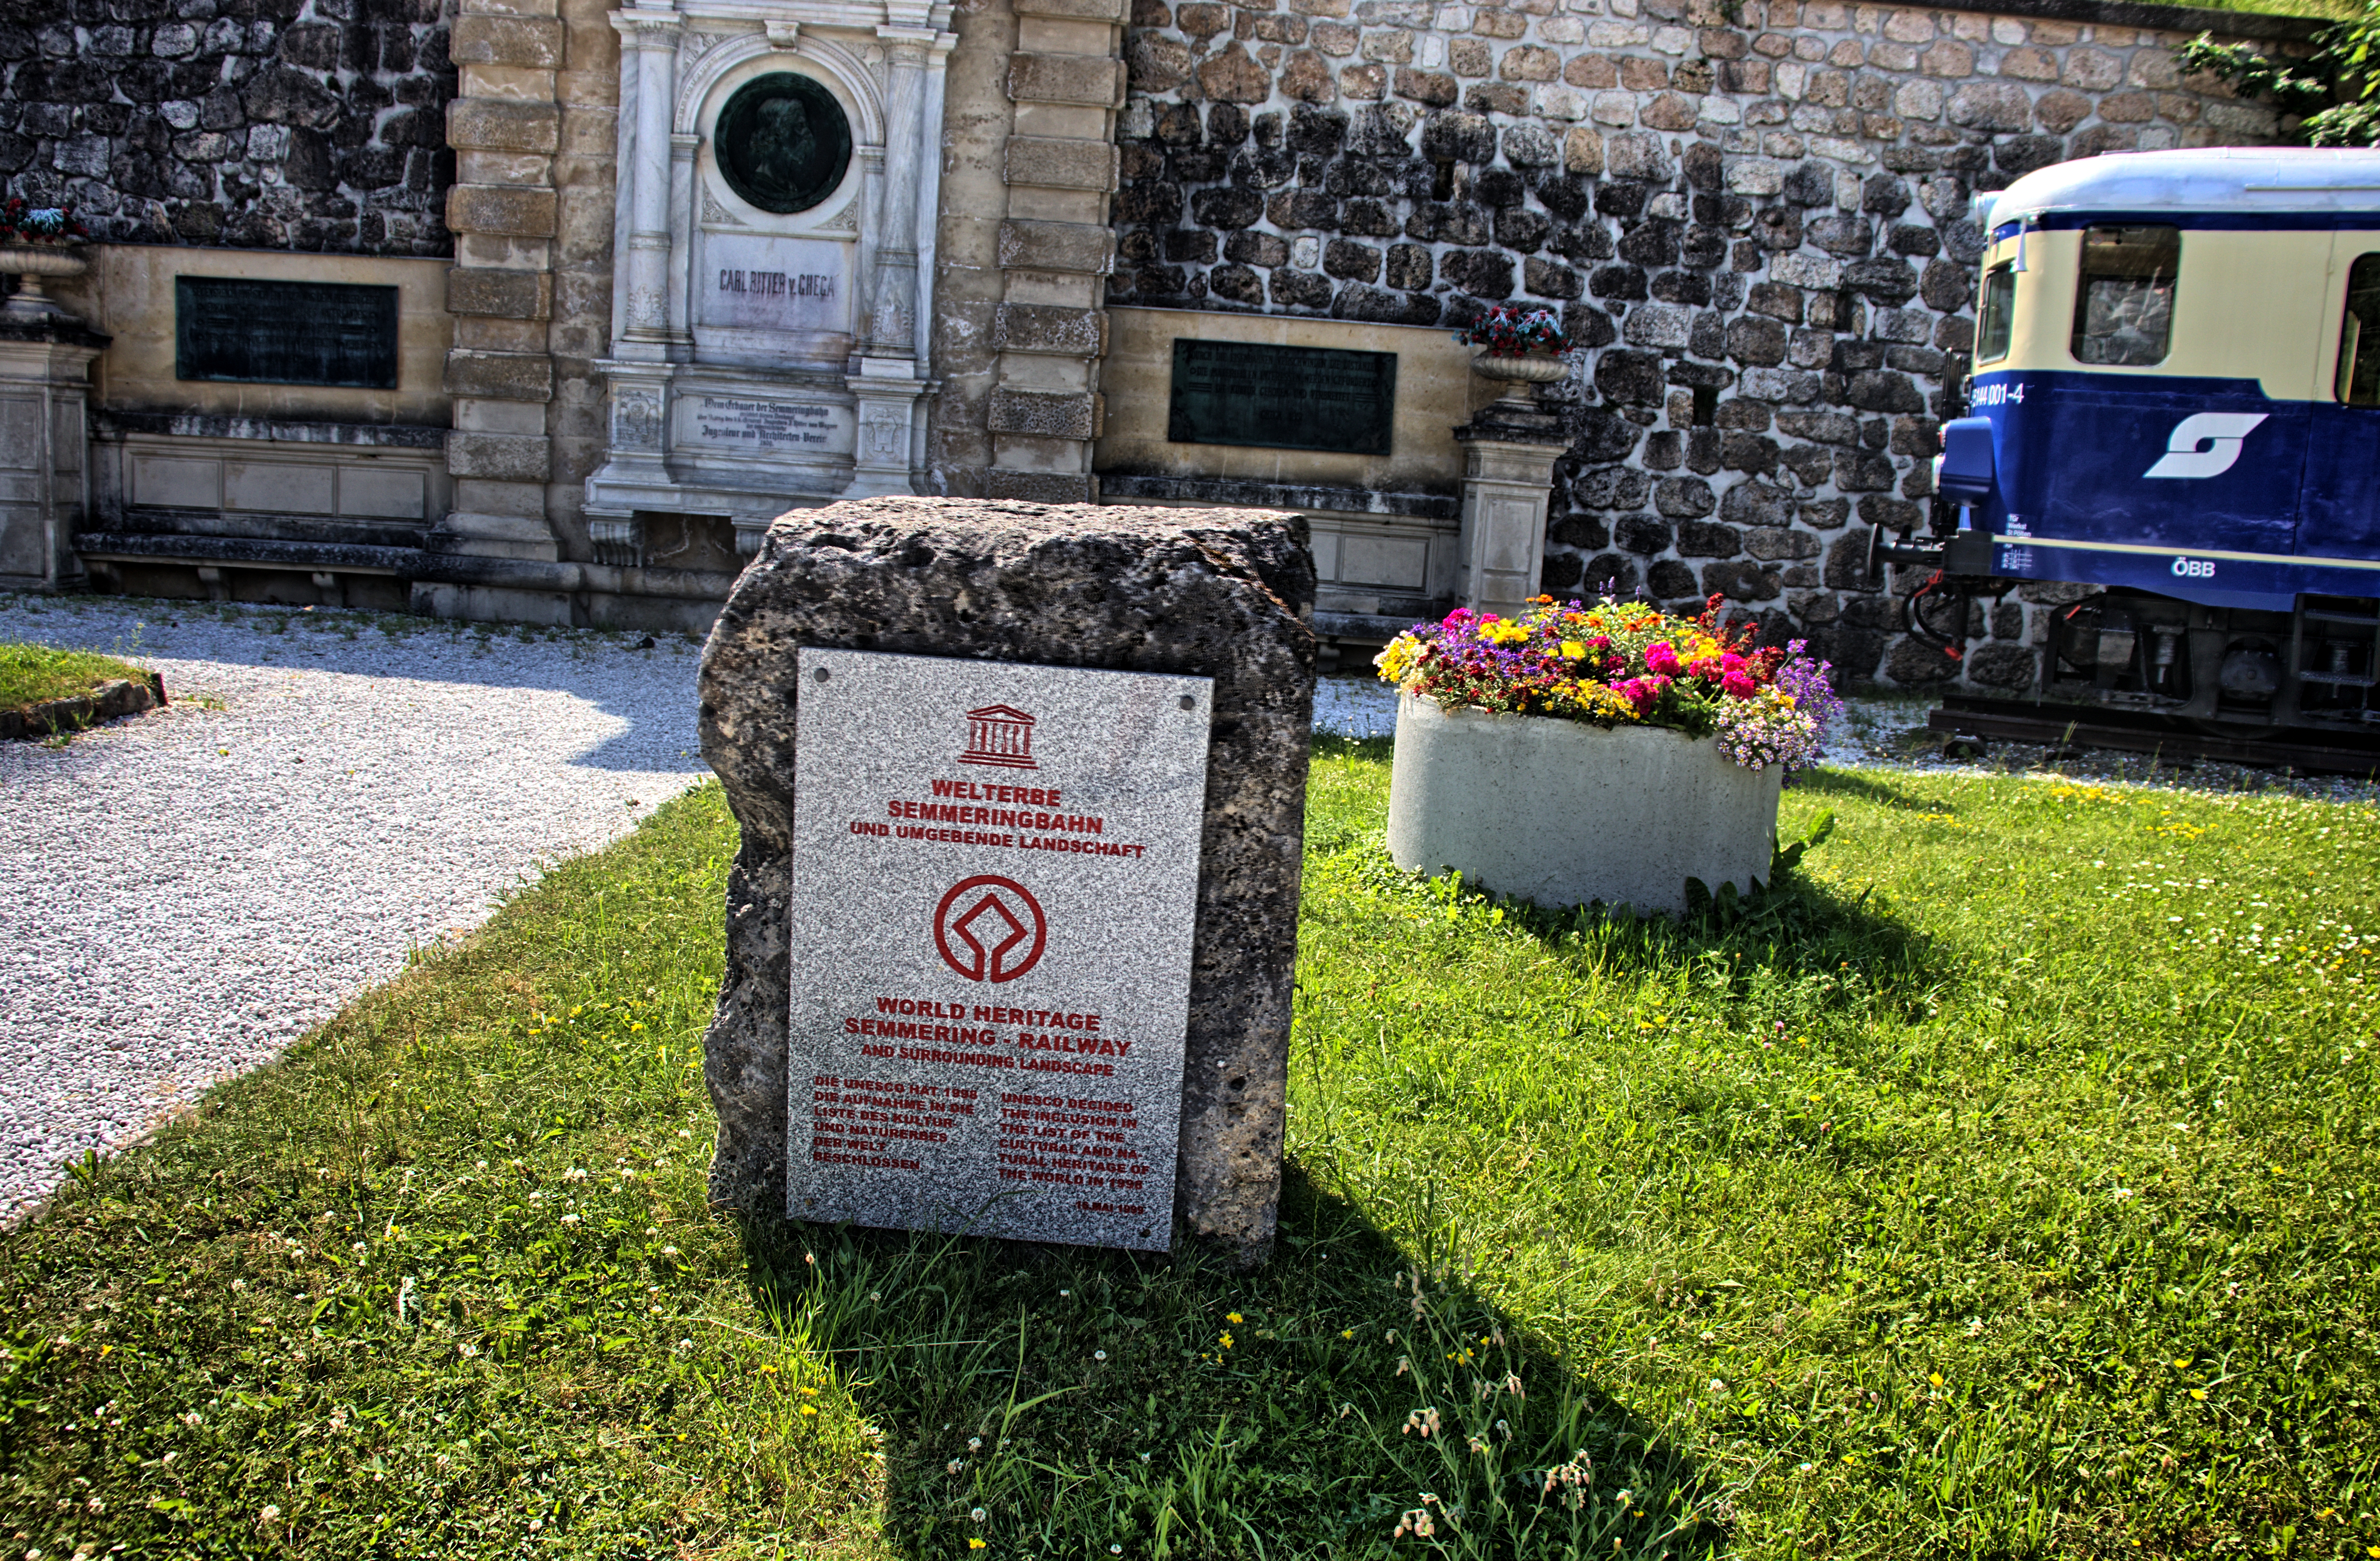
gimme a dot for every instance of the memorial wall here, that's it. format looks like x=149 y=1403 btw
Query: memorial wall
x=711 y=263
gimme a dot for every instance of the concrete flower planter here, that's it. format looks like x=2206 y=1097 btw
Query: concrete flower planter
x=1560 y=813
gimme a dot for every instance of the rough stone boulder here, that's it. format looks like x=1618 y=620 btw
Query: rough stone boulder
x=1213 y=593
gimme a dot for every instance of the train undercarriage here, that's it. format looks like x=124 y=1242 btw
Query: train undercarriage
x=2230 y=673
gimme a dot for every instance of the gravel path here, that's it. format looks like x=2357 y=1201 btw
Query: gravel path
x=184 y=893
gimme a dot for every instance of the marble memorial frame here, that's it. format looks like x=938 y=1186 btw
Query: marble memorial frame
x=884 y=64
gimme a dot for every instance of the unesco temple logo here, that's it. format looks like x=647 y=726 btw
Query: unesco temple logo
x=990 y=928
x=1000 y=735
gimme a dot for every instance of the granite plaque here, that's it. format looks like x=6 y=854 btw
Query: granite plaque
x=1282 y=398
x=256 y=331
x=995 y=882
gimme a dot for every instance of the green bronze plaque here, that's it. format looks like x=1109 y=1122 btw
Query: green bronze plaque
x=782 y=143
x=259 y=331
x=1282 y=398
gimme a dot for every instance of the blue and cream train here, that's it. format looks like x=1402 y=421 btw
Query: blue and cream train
x=2176 y=397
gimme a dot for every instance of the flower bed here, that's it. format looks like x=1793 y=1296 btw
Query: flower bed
x=1625 y=664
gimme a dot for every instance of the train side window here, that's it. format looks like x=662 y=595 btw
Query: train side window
x=2124 y=303
x=2358 y=335
x=1998 y=311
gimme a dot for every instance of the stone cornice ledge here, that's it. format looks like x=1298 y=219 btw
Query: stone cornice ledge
x=2157 y=18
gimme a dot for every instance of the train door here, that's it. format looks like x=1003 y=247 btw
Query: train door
x=2339 y=512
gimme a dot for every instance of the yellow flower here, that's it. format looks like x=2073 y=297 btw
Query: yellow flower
x=809 y=1409
x=1226 y=1341
x=1935 y=1377
x=974 y=1543
x=1234 y=1317
x=1573 y=650
x=2198 y=1393
x=1346 y=1333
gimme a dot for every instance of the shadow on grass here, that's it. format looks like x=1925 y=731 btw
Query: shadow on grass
x=1859 y=786
x=1083 y=1400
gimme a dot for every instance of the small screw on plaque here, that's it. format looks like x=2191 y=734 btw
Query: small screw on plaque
x=1189 y=701
x=823 y=674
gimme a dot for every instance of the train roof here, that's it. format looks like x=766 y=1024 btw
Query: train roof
x=2225 y=184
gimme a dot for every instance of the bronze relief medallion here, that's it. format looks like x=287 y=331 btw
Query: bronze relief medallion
x=782 y=143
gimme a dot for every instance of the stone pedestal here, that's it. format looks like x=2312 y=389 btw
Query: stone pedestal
x=45 y=357
x=1210 y=594
x=1509 y=451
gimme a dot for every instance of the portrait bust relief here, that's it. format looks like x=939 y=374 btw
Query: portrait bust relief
x=782 y=143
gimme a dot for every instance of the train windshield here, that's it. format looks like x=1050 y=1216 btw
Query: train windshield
x=2123 y=304
x=2358 y=335
x=1997 y=313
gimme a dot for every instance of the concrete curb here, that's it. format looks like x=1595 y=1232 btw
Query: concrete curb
x=109 y=701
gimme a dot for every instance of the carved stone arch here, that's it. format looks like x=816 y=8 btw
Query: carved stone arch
x=842 y=70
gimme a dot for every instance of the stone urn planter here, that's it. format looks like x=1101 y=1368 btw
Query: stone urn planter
x=31 y=263
x=1560 y=813
x=1519 y=373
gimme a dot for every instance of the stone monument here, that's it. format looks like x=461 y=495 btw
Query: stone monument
x=773 y=250
x=1012 y=932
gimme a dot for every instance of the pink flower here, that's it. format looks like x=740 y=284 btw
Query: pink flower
x=1660 y=658
x=1730 y=662
x=1643 y=693
x=1737 y=683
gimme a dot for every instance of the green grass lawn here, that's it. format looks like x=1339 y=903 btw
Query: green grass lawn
x=33 y=674
x=2005 y=1189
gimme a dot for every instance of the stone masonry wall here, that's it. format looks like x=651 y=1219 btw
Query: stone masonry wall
x=1752 y=218
x=315 y=124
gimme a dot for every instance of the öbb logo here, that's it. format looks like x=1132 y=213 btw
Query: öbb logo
x=2193 y=569
x=982 y=922
x=2224 y=434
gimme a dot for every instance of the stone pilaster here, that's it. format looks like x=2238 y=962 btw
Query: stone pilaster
x=1065 y=82
x=505 y=126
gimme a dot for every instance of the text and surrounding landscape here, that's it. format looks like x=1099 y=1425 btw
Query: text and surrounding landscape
x=995 y=878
